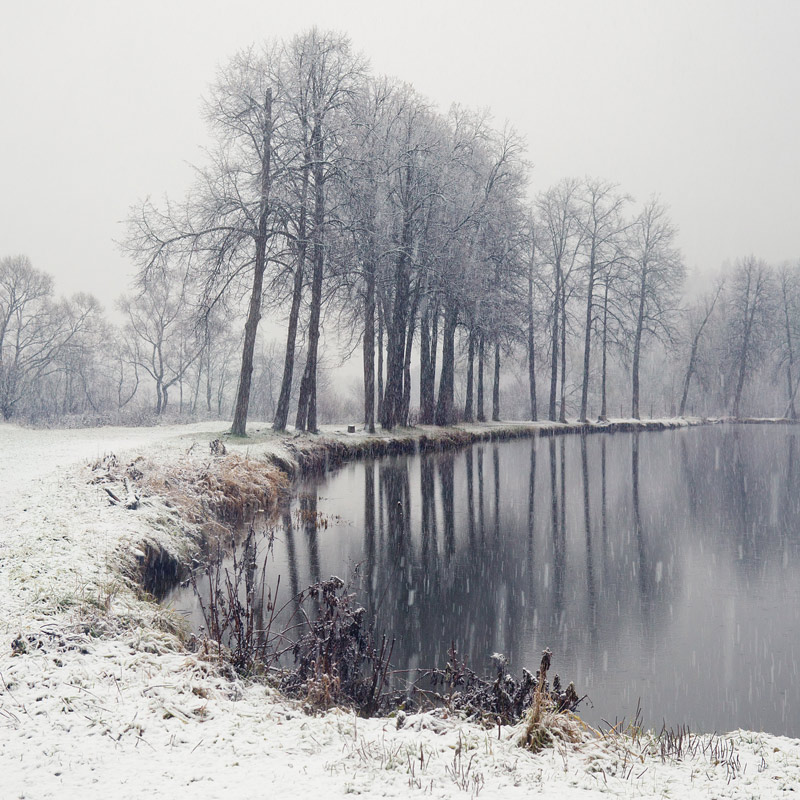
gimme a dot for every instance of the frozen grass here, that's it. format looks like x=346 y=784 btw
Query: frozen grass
x=100 y=698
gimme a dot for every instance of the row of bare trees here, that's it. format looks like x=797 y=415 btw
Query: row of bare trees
x=740 y=341
x=353 y=213
x=732 y=349
x=43 y=341
x=62 y=357
x=336 y=195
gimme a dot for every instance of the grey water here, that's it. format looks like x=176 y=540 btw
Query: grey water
x=661 y=568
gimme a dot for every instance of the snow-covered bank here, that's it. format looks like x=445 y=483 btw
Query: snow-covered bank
x=99 y=698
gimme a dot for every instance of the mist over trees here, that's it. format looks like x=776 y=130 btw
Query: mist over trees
x=361 y=223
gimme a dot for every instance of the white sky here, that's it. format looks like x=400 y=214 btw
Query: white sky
x=696 y=101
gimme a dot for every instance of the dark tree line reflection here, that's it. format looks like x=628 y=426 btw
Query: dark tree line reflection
x=449 y=555
x=636 y=558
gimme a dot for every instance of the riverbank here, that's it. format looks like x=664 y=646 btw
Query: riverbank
x=99 y=695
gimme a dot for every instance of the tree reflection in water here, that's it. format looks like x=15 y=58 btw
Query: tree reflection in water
x=667 y=568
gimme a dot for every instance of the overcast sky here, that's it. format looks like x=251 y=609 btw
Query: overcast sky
x=696 y=101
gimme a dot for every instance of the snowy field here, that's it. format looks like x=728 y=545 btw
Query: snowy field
x=99 y=700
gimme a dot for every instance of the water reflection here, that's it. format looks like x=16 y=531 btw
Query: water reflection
x=666 y=568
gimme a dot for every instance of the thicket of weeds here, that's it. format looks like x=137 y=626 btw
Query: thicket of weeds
x=320 y=648
x=228 y=488
x=503 y=699
x=237 y=605
x=336 y=658
x=315 y=646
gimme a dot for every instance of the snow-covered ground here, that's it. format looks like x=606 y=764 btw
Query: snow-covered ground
x=99 y=699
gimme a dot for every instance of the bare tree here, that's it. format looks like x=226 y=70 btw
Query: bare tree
x=76 y=379
x=161 y=331
x=530 y=316
x=24 y=293
x=560 y=241
x=601 y=218
x=366 y=178
x=655 y=274
x=751 y=312
x=35 y=331
x=227 y=229
x=789 y=289
x=412 y=189
x=330 y=74
x=698 y=318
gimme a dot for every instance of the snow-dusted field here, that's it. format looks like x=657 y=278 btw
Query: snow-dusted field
x=98 y=698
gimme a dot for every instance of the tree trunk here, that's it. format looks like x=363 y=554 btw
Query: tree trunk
x=693 y=354
x=239 y=427
x=406 y=401
x=531 y=353
x=603 y=410
x=690 y=371
x=424 y=362
x=688 y=377
x=790 y=410
x=743 y=360
x=198 y=381
x=562 y=412
x=369 y=348
x=637 y=346
x=307 y=402
x=496 y=384
x=208 y=370
x=282 y=411
x=481 y=352
x=444 y=405
x=470 y=378
x=380 y=359
x=393 y=396
x=429 y=332
x=587 y=341
x=554 y=344
x=791 y=389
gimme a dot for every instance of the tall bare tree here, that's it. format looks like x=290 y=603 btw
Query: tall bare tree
x=789 y=299
x=227 y=229
x=751 y=305
x=655 y=275
x=560 y=242
x=601 y=208
x=329 y=74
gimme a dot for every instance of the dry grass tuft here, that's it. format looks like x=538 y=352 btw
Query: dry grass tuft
x=229 y=489
x=551 y=725
x=544 y=721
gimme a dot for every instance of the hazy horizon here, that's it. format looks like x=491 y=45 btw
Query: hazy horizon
x=694 y=102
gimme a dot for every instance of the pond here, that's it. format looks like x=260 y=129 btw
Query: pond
x=661 y=568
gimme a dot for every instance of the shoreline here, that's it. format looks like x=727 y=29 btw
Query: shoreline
x=341 y=446
x=96 y=683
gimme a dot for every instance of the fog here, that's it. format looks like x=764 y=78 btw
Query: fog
x=695 y=102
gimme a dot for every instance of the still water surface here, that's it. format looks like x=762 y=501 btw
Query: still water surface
x=659 y=566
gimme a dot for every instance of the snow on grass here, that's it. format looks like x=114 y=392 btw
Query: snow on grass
x=100 y=698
